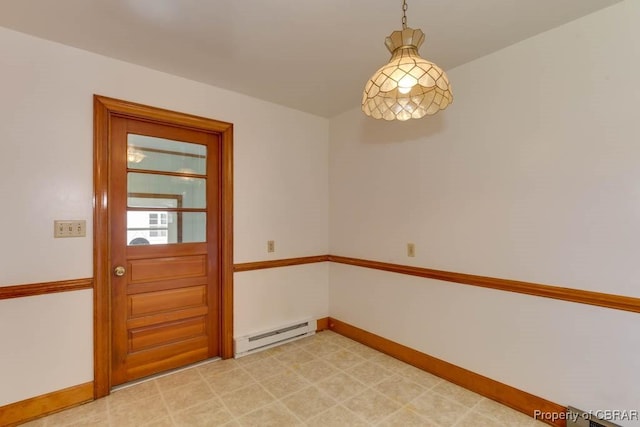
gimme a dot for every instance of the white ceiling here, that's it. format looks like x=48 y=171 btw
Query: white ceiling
x=312 y=55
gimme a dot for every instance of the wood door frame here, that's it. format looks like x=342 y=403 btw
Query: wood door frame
x=104 y=110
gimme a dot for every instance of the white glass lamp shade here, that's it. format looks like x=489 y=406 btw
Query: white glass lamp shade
x=408 y=87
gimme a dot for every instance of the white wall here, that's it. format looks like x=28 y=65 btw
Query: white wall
x=532 y=174
x=46 y=172
x=46 y=344
x=293 y=293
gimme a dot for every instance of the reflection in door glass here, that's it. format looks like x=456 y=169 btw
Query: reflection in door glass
x=192 y=191
x=157 y=227
x=158 y=154
x=150 y=228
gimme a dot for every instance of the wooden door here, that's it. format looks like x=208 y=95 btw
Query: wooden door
x=165 y=243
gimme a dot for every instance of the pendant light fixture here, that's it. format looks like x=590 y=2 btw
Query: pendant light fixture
x=408 y=87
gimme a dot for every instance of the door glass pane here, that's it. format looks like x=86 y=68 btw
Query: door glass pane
x=191 y=191
x=194 y=227
x=156 y=187
x=158 y=154
x=158 y=227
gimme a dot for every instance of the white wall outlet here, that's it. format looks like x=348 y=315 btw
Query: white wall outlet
x=411 y=250
x=271 y=245
x=69 y=228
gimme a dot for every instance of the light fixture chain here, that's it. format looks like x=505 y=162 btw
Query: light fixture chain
x=404 y=14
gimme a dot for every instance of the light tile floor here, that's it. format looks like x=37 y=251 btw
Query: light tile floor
x=323 y=380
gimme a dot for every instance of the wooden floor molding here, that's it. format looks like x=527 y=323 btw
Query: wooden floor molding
x=323 y=324
x=616 y=302
x=35 y=407
x=502 y=393
x=260 y=265
x=33 y=289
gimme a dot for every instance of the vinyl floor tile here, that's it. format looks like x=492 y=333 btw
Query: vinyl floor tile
x=325 y=380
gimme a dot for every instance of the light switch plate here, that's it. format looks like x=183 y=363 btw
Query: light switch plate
x=69 y=228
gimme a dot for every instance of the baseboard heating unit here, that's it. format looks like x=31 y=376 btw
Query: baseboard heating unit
x=578 y=418
x=263 y=340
